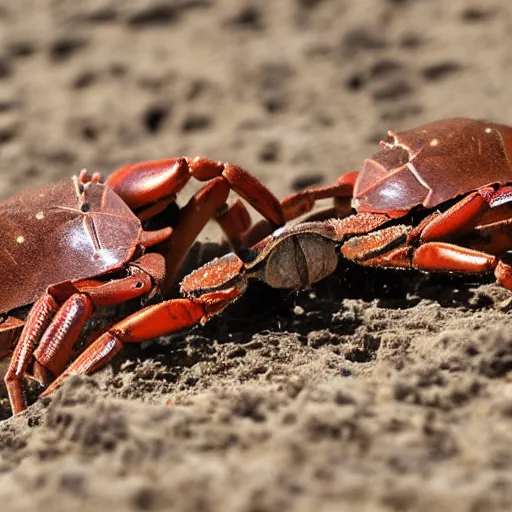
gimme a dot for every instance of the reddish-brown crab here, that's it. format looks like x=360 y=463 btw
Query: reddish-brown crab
x=80 y=244
x=57 y=238
x=443 y=193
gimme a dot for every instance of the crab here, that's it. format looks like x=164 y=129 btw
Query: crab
x=81 y=244
x=443 y=195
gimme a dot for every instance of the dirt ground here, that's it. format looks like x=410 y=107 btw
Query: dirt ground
x=378 y=390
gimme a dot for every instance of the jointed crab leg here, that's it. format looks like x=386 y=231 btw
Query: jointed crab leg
x=423 y=247
x=37 y=321
x=143 y=184
x=235 y=221
x=432 y=256
x=466 y=214
x=193 y=217
x=149 y=187
x=56 y=319
x=163 y=318
x=303 y=202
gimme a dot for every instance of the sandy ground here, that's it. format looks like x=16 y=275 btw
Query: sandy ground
x=378 y=391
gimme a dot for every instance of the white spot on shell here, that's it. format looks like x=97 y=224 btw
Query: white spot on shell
x=40 y=215
x=20 y=239
x=434 y=143
x=488 y=130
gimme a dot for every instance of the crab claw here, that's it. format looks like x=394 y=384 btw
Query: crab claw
x=218 y=274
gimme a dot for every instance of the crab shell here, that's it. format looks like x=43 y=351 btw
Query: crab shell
x=51 y=235
x=432 y=164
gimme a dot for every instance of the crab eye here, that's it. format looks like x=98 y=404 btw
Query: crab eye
x=85 y=207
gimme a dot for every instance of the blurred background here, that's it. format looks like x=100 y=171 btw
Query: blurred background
x=295 y=91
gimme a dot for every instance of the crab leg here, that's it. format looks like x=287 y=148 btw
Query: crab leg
x=302 y=202
x=37 y=321
x=503 y=273
x=235 y=221
x=193 y=217
x=464 y=216
x=388 y=248
x=454 y=258
x=163 y=318
x=55 y=345
x=57 y=318
x=10 y=329
x=145 y=184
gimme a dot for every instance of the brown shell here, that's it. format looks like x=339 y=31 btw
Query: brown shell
x=54 y=234
x=433 y=164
